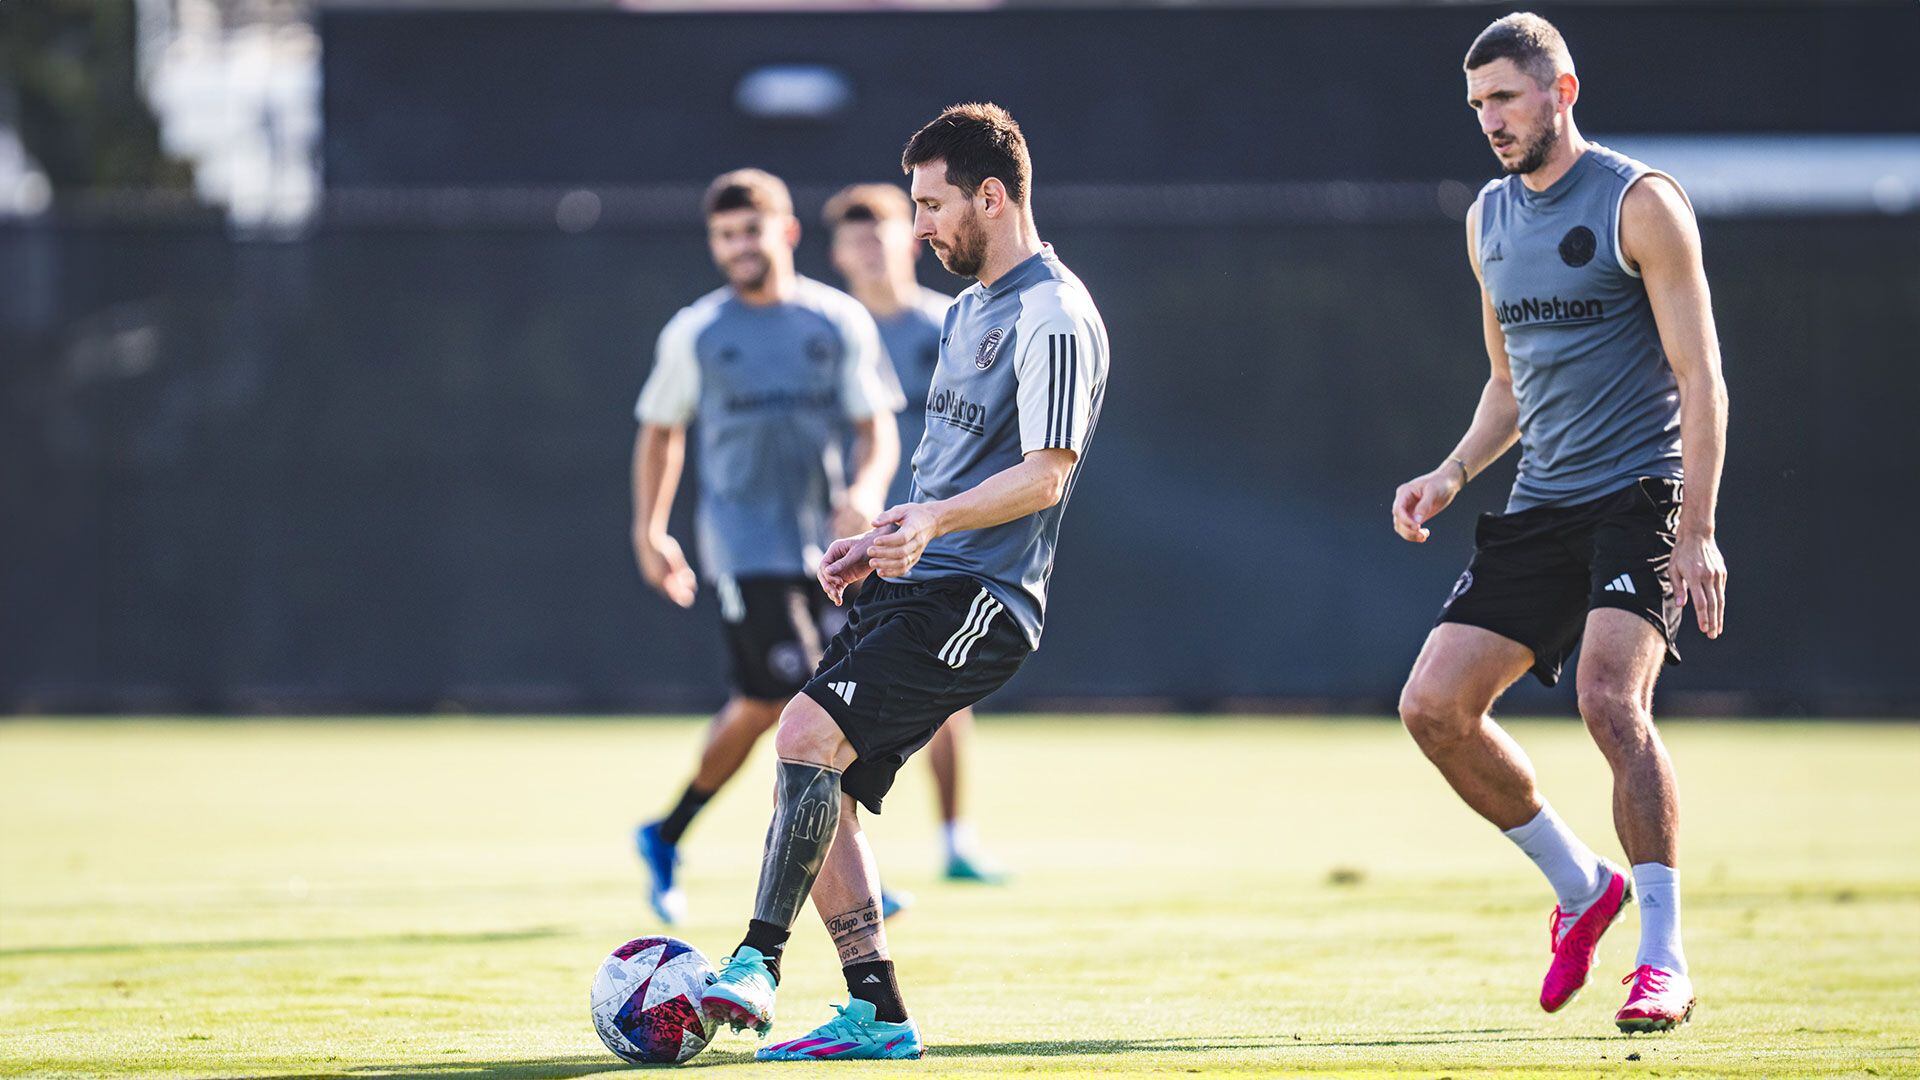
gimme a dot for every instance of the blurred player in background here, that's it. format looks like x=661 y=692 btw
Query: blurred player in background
x=873 y=248
x=952 y=588
x=1606 y=368
x=774 y=370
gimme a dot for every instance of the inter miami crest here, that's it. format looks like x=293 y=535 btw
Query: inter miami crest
x=983 y=356
x=1578 y=246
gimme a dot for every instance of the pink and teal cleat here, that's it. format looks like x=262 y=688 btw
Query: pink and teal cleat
x=1660 y=1000
x=853 y=1035
x=741 y=994
x=1574 y=940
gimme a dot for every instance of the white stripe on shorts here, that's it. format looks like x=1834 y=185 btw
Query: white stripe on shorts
x=950 y=651
x=994 y=607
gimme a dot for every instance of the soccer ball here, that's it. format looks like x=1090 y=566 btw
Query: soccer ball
x=646 y=1001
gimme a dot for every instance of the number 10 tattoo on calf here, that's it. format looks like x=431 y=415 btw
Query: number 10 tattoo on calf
x=805 y=817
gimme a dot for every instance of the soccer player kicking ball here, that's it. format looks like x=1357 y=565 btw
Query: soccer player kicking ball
x=774 y=370
x=951 y=588
x=870 y=229
x=1606 y=368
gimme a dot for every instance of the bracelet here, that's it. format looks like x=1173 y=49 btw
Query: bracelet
x=1465 y=476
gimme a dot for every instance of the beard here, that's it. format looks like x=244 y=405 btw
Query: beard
x=1535 y=155
x=968 y=251
x=749 y=273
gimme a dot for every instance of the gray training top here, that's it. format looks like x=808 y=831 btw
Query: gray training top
x=1599 y=407
x=912 y=338
x=772 y=388
x=1023 y=367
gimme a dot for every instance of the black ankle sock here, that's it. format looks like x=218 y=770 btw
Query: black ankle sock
x=771 y=940
x=674 y=825
x=873 y=981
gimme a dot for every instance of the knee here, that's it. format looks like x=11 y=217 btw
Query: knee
x=806 y=732
x=1433 y=718
x=1619 y=718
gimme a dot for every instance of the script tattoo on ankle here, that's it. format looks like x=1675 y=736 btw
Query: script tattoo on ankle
x=859 y=934
x=806 y=813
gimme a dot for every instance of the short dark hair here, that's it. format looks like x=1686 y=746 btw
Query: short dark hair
x=977 y=140
x=867 y=202
x=1531 y=42
x=747 y=189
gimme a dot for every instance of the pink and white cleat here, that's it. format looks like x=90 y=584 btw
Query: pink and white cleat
x=1659 y=1001
x=1573 y=940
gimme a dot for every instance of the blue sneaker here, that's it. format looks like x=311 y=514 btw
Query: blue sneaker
x=741 y=995
x=661 y=858
x=852 y=1035
x=893 y=903
x=974 y=868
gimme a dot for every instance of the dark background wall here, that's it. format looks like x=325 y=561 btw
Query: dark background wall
x=1106 y=96
x=384 y=466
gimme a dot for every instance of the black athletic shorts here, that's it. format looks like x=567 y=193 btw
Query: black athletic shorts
x=1536 y=573
x=775 y=628
x=911 y=655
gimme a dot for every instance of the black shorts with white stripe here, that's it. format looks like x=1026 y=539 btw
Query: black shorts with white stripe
x=911 y=655
x=1537 y=573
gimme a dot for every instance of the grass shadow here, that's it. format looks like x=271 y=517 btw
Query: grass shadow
x=556 y=1068
x=1089 y=1047
x=482 y=937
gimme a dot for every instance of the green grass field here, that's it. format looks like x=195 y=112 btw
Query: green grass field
x=430 y=899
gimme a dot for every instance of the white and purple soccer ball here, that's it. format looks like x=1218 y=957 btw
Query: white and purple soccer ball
x=646 y=1001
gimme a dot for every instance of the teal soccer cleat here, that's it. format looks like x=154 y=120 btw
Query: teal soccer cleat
x=962 y=866
x=852 y=1035
x=741 y=995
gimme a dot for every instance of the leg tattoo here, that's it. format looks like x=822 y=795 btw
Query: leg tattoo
x=805 y=816
x=857 y=934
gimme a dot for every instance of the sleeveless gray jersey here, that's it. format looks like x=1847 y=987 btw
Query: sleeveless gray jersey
x=912 y=338
x=1023 y=367
x=770 y=390
x=1599 y=407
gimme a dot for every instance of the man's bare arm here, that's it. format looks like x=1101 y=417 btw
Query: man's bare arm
x=659 y=452
x=876 y=456
x=1660 y=238
x=1493 y=431
x=1036 y=483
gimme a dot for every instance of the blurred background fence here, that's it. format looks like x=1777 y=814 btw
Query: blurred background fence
x=360 y=440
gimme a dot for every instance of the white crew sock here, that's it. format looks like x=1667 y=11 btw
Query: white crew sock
x=957 y=837
x=1658 y=888
x=1575 y=872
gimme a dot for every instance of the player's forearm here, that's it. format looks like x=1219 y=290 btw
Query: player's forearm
x=1027 y=488
x=876 y=456
x=1494 y=429
x=1703 y=440
x=658 y=455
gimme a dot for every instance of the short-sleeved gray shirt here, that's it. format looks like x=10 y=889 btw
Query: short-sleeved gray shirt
x=769 y=389
x=1023 y=367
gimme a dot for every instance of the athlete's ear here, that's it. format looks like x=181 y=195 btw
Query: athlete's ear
x=793 y=230
x=992 y=196
x=1566 y=89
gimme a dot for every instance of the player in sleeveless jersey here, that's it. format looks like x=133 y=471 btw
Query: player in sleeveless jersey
x=870 y=238
x=951 y=586
x=1606 y=369
x=776 y=373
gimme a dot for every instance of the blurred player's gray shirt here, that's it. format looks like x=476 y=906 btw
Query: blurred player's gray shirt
x=1599 y=406
x=1023 y=367
x=770 y=390
x=912 y=338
